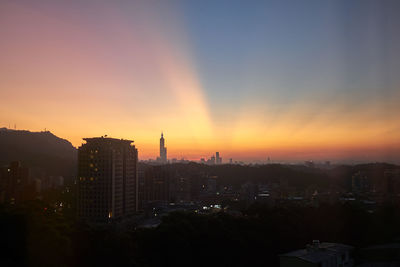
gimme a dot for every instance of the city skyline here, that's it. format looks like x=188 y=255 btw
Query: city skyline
x=275 y=79
x=208 y=157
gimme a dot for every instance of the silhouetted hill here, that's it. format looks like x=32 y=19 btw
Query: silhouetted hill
x=41 y=151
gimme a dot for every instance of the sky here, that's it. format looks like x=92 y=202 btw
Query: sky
x=290 y=80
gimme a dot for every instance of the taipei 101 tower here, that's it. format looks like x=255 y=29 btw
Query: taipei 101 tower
x=163 y=150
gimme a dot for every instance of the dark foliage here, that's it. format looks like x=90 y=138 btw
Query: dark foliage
x=35 y=236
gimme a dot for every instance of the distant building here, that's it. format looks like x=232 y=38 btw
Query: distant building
x=37 y=184
x=163 y=150
x=309 y=164
x=249 y=192
x=392 y=182
x=218 y=159
x=211 y=161
x=141 y=186
x=212 y=184
x=359 y=183
x=51 y=182
x=319 y=254
x=180 y=189
x=15 y=183
x=327 y=163
x=107 y=179
x=155 y=185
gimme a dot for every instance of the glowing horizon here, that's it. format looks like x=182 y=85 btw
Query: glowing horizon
x=212 y=83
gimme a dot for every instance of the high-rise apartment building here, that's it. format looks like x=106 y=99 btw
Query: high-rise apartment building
x=107 y=179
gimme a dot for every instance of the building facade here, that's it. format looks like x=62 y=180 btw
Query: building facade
x=107 y=179
x=15 y=184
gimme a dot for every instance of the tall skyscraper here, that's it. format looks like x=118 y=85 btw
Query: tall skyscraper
x=107 y=179
x=163 y=150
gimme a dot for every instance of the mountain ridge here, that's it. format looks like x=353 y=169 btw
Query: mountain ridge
x=42 y=151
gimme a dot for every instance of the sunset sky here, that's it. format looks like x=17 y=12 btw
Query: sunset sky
x=292 y=80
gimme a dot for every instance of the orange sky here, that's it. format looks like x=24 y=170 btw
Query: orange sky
x=134 y=75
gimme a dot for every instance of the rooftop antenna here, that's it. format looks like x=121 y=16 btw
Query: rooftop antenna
x=15 y=126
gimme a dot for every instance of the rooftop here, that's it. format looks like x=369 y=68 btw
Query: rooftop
x=105 y=139
x=318 y=253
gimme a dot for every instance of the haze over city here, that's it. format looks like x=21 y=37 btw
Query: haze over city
x=201 y=133
x=272 y=79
